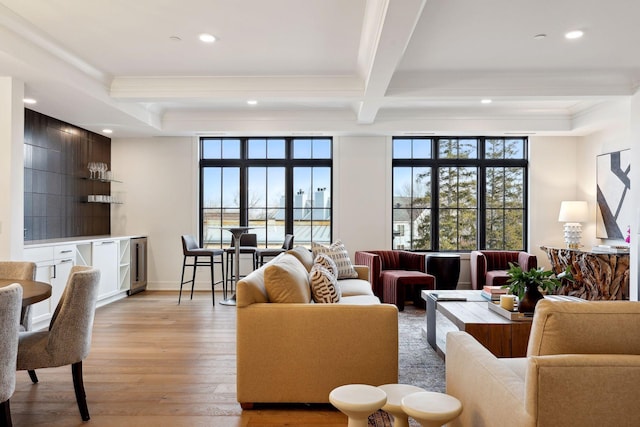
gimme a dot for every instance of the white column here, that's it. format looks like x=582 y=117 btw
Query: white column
x=11 y=168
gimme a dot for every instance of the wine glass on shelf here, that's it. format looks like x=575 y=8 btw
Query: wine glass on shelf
x=92 y=169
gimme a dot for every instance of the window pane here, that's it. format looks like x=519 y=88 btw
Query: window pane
x=276 y=149
x=422 y=187
x=230 y=148
x=321 y=187
x=495 y=229
x=301 y=148
x=421 y=148
x=495 y=188
x=514 y=187
x=422 y=229
x=257 y=187
x=257 y=148
x=494 y=148
x=402 y=191
x=514 y=148
x=468 y=149
x=211 y=148
x=402 y=148
x=514 y=229
x=231 y=187
x=301 y=186
x=448 y=148
x=321 y=148
x=458 y=148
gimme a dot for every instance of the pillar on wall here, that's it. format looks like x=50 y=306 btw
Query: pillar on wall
x=11 y=168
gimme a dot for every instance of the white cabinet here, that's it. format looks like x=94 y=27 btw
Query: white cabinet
x=53 y=266
x=105 y=257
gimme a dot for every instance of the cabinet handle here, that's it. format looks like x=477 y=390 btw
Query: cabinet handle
x=68 y=251
x=108 y=243
x=54 y=271
x=66 y=260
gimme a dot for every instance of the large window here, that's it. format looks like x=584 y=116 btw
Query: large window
x=276 y=185
x=459 y=193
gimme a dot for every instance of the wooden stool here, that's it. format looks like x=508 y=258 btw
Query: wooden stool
x=357 y=401
x=431 y=409
x=395 y=393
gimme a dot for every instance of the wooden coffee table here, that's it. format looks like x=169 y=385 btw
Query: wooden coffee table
x=501 y=336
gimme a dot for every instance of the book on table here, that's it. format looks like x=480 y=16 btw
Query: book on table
x=492 y=293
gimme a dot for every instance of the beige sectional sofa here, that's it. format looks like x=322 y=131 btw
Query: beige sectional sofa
x=582 y=369
x=299 y=352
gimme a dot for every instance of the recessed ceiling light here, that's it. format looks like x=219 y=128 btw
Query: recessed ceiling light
x=540 y=36
x=574 y=34
x=207 y=38
x=252 y=102
x=486 y=101
x=107 y=131
x=29 y=101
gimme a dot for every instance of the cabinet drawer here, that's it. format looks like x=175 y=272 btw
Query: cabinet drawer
x=64 y=252
x=38 y=254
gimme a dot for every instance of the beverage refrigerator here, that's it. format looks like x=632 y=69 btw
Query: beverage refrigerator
x=138 y=265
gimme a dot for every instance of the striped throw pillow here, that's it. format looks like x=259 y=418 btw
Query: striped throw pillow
x=328 y=263
x=338 y=253
x=324 y=285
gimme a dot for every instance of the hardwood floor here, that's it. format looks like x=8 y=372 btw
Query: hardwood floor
x=155 y=363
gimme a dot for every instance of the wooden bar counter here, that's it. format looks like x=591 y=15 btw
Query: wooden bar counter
x=598 y=276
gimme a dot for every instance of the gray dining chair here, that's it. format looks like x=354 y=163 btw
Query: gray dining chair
x=68 y=340
x=10 y=303
x=261 y=253
x=20 y=270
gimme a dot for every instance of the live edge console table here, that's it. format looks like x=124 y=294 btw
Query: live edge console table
x=597 y=276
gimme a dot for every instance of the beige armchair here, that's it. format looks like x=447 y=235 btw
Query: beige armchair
x=10 y=303
x=68 y=340
x=582 y=369
x=22 y=270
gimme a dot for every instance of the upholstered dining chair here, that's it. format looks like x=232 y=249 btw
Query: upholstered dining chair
x=10 y=303
x=68 y=340
x=22 y=270
x=261 y=253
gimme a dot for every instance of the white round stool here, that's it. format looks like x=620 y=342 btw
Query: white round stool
x=357 y=401
x=395 y=393
x=431 y=409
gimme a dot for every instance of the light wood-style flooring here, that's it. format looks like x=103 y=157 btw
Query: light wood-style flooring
x=155 y=363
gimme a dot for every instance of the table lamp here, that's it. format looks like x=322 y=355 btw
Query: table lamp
x=572 y=213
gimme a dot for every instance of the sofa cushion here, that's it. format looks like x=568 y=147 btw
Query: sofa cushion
x=340 y=256
x=287 y=281
x=360 y=300
x=351 y=287
x=327 y=262
x=304 y=255
x=324 y=286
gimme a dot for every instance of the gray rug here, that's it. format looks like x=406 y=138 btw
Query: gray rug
x=419 y=364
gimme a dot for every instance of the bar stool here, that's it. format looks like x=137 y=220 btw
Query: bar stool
x=248 y=245
x=273 y=252
x=191 y=249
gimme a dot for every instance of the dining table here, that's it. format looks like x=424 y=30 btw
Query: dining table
x=32 y=290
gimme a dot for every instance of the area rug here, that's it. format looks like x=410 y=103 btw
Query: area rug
x=419 y=364
x=380 y=419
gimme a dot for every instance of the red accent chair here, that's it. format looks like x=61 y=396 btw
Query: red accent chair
x=490 y=267
x=396 y=275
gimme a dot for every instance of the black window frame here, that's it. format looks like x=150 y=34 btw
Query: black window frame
x=482 y=163
x=244 y=162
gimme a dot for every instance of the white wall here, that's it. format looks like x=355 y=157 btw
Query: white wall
x=160 y=193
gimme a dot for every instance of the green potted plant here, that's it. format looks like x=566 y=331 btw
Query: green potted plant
x=527 y=284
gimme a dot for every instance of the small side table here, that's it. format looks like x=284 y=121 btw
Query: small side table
x=357 y=401
x=445 y=268
x=395 y=393
x=431 y=409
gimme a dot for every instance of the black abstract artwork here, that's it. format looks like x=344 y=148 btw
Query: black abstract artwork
x=613 y=185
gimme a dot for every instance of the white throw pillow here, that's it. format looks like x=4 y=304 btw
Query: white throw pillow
x=339 y=255
x=324 y=285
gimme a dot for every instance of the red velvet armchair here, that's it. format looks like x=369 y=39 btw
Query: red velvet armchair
x=490 y=267
x=396 y=275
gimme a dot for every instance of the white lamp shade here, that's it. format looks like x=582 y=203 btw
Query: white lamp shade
x=573 y=211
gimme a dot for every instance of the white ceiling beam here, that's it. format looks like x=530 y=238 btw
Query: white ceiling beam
x=386 y=32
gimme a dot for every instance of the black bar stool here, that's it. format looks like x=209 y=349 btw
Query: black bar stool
x=273 y=252
x=207 y=259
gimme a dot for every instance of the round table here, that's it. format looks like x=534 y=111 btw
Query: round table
x=445 y=268
x=32 y=291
